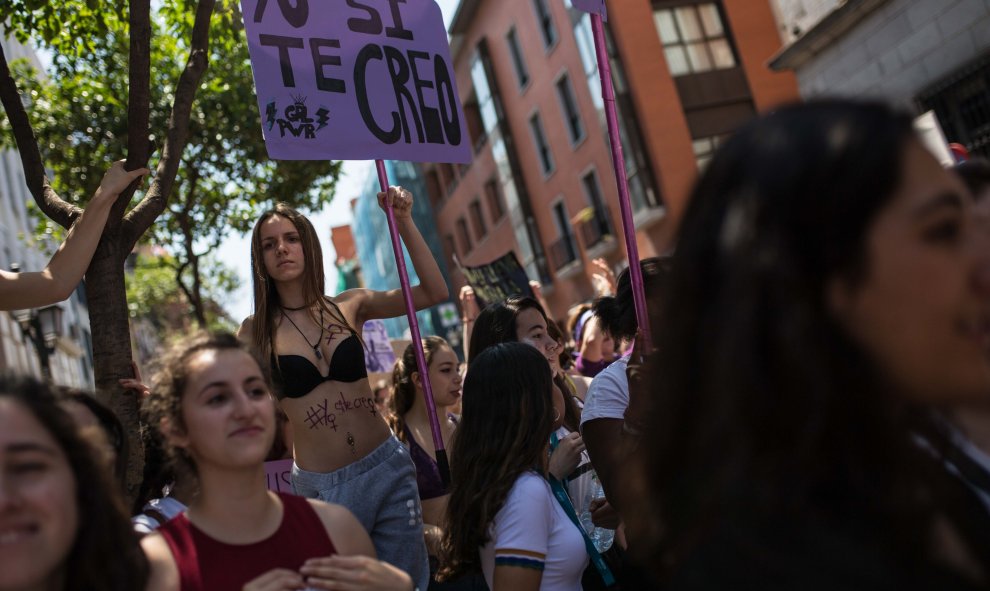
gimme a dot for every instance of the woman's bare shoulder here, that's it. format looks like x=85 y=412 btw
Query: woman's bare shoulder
x=164 y=574
x=244 y=332
x=344 y=529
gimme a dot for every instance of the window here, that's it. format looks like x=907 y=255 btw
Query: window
x=494 y=198
x=642 y=188
x=478 y=220
x=568 y=105
x=545 y=22
x=462 y=232
x=693 y=39
x=564 y=250
x=522 y=74
x=704 y=149
x=542 y=147
x=597 y=227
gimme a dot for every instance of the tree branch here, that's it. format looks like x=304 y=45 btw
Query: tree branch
x=48 y=200
x=144 y=214
x=139 y=99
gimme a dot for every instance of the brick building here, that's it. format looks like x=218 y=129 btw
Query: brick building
x=686 y=72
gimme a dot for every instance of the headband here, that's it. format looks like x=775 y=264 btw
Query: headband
x=579 y=327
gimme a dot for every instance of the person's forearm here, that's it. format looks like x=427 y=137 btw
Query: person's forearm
x=431 y=283
x=65 y=269
x=69 y=263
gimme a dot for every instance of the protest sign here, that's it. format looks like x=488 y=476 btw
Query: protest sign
x=355 y=80
x=378 y=354
x=278 y=475
x=498 y=280
x=591 y=6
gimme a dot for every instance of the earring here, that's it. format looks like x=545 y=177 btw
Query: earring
x=556 y=415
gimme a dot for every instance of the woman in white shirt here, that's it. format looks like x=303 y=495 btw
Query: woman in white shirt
x=502 y=517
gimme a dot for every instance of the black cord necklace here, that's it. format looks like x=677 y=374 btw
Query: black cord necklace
x=295 y=309
x=315 y=346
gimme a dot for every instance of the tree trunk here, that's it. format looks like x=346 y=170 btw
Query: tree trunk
x=110 y=324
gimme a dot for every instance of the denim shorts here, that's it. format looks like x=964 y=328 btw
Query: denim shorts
x=380 y=490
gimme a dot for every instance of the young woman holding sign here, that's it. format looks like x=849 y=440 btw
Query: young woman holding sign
x=344 y=451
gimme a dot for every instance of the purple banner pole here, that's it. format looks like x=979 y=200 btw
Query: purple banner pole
x=619 y=163
x=417 y=340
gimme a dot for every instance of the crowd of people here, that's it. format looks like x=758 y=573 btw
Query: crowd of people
x=812 y=410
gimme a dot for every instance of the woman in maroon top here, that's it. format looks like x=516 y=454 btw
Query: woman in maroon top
x=212 y=402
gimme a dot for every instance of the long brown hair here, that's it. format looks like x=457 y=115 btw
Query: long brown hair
x=403 y=388
x=761 y=402
x=106 y=552
x=508 y=418
x=267 y=305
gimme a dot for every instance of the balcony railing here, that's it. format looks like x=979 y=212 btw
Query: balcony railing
x=563 y=252
x=596 y=228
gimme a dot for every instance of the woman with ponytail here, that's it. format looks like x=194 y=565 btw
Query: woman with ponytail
x=411 y=423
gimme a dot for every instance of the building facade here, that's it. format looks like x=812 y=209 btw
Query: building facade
x=922 y=55
x=377 y=261
x=686 y=73
x=70 y=362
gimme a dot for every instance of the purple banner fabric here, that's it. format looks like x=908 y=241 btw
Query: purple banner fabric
x=278 y=475
x=355 y=80
x=591 y=6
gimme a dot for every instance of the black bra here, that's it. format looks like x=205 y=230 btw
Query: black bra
x=295 y=376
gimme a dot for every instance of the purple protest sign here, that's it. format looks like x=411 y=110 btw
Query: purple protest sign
x=591 y=6
x=278 y=475
x=360 y=80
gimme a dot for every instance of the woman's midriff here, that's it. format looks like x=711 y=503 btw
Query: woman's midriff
x=335 y=425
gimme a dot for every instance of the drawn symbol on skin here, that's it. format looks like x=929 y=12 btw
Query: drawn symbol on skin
x=332 y=331
x=313 y=417
x=319 y=415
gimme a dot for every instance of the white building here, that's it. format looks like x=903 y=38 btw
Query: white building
x=71 y=362
x=923 y=55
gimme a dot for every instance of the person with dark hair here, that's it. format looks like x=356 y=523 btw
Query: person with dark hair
x=344 y=450
x=502 y=517
x=595 y=347
x=19 y=290
x=212 y=402
x=829 y=290
x=102 y=426
x=521 y=319
x=63 y=524
x=165 y=489
x=608 y=396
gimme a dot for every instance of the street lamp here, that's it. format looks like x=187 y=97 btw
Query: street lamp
x=42 y=327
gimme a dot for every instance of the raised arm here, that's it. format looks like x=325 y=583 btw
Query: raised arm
x=66 y=268
x=431 y=289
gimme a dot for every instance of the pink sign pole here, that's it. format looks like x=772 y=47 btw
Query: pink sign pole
x=619 y=163
x=417 y=341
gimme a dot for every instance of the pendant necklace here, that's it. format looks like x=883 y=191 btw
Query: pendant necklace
x=315 y=346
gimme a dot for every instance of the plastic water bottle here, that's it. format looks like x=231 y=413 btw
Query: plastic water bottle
x=601 y=537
